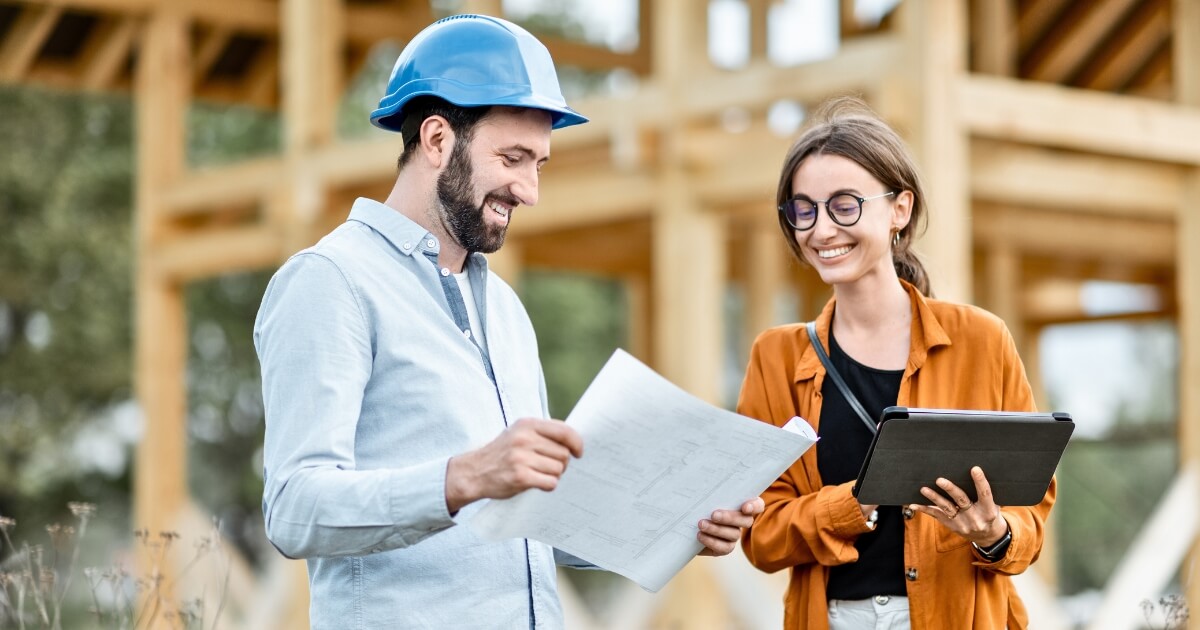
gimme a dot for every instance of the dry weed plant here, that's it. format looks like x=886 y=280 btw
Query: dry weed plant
x=1173 y=609
x=33 y=590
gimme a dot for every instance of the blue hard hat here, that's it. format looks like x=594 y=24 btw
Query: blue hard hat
x=474 y=61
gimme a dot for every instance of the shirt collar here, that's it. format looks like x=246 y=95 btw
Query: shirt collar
x=926 y=334
x=406 y=235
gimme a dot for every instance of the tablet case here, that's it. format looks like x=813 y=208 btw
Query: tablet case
x=1018 y=453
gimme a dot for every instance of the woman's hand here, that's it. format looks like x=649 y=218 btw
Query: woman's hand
x=979 y=522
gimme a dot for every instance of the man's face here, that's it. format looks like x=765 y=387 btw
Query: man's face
x=487 y=178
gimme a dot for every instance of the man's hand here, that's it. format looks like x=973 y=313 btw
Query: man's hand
x=720 y=532
x=532 y=453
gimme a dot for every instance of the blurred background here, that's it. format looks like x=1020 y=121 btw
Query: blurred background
x=160 y=158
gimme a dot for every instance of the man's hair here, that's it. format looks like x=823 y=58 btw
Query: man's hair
x=462 y=122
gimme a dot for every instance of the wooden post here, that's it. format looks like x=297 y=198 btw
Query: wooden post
x=759 y=11
x=688 y=240
x=640 y=317
x=935 y=38
x=688 y=253
x=1186 y=18
x=313 y=37
x=162 y=85
x=765 y=277
x=1003 y=269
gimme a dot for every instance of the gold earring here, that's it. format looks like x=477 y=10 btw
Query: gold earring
x=896 y=240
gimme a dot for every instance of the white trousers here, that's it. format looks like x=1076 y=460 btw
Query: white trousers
x=882 y=612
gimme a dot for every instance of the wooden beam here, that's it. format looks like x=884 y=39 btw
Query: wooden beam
x=1022 y=175
x=201 y=190
x=24 y=40
x=210 y=47
x=367 y=24
x=1139 y=38
x=1084 y=120
x=568 y=52
x=1072 y=48
x=261 y=85
x=589 y=248
x=1042 y=232
x=1035 y=20
x=486 y=7
x=586 y=199
x=217 y=252
x=994 y=25
x=106 y=52
x=860 y=65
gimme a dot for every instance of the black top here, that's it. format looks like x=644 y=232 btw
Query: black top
x=840 y=453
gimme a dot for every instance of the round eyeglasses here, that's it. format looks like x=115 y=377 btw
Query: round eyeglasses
x=845 y=209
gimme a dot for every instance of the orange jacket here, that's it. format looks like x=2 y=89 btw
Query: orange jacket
x=961 y=357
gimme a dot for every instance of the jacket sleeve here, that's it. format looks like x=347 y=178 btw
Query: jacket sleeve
x=795 y=528
x=1028 y=524
x=316 y=352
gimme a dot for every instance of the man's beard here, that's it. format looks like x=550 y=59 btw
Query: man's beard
x=462 y=217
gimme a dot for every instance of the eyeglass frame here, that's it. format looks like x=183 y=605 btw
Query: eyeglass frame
x=817 y=206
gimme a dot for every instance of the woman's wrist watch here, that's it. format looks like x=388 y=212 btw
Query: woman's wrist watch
x=994 y=552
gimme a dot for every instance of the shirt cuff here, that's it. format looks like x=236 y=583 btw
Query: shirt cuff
x=418 y=499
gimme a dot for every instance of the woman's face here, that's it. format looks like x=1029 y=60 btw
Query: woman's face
x=844 y=255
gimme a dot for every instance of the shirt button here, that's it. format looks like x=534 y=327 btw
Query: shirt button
x=907 y=512
x=911 y=574
x=467 y=334
x=407 y=246
x=429 y=243
x=445 y=271
x=882 y=600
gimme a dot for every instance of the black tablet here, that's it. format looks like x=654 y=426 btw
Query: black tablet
x=913 y=447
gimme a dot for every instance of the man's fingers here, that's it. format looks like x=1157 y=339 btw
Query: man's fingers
x=560 y=433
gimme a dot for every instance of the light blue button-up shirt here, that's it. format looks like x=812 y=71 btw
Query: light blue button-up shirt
x=369 y=389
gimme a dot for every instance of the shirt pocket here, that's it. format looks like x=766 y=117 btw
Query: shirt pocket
x=949 y=541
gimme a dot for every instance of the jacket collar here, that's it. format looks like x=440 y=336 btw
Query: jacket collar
x=926 y=334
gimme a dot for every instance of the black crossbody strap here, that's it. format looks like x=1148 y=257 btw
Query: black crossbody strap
x=837 y=378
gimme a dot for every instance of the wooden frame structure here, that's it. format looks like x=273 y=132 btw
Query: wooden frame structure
x=1041 y=125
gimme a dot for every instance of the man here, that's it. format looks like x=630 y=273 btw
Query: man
x=401 y=378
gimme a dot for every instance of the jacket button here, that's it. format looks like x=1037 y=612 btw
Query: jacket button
x=908 y=513
x=911 y=574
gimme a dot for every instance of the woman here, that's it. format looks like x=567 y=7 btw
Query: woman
x=850 y=201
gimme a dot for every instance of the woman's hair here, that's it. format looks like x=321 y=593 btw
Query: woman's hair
x=846 y=127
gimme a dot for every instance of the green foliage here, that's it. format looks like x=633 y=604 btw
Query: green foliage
x=579 y=321
x=1106 y=491
x=65 y=293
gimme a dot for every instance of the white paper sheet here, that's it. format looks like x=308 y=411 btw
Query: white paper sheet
x=656 y=460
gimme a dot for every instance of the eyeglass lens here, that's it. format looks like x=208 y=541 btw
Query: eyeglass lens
x=844 y=209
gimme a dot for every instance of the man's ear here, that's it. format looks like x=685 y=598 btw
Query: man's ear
x=436 y=140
